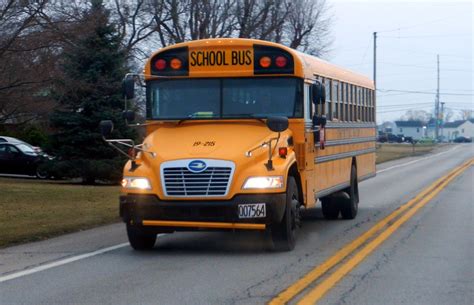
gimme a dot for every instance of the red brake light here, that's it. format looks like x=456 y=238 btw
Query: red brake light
x=282 y=152
x=160 y=64
x=265 y=62
x=280 y=61
x=175 y=64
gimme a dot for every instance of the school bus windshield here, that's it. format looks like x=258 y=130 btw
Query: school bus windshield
x=224 y=98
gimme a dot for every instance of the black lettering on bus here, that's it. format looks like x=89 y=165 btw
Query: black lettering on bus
x=205 y=59
x=199 y=58
x=234 y=57
x=193 y=59
x=224 y=61
x=248 y=57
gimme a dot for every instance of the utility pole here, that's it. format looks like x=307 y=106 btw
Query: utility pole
x=375 y=73
x=437 y=104
x=442 y=118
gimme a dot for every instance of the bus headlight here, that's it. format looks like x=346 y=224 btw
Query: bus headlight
x=267 y=182
x=137 y=183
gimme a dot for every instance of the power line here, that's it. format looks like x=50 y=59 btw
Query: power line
x=422 y=67
x=415 y=25
x=425 y=36
x=425 y=92
x=403 y=105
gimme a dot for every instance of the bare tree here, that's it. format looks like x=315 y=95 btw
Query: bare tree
x=466 y=114
x=300 y=24
x=308 y=26
x=417 y=115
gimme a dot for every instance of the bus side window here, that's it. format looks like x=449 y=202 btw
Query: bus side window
x=335 y=99
x=329 y=98
x=371 y=106
x=364 y=104
x=359 y=104
x=367 y=92
x=308 y=105
x=354 y=103
x=343 y=101
x=349 y=103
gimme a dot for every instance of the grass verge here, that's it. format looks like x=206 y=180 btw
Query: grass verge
x=387 y=152
x=34 y=210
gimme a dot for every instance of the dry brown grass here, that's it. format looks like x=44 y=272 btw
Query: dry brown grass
x=34 y=210
x=386 y=152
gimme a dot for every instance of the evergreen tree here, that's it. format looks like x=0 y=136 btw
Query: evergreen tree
x=90 y=91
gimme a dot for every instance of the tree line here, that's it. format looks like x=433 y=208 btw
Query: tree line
x=61 y=62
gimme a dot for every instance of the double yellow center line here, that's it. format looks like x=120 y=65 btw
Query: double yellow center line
x=389 y=225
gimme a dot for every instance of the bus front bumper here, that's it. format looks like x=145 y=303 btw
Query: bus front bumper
x=190 y=215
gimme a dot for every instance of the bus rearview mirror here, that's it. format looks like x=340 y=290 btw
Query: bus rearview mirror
x=106 y=127
x=277 y=123
x=129 y=115
x=319 y=93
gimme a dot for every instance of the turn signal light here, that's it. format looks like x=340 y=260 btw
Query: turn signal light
x=283 y=152
x=160 y=64
x=280 y=61
x=175 y=64
x=265 y=62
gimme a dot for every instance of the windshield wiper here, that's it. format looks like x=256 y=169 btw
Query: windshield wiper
x=244 y=115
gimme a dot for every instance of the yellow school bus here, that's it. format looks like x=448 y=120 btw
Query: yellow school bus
x=243 y=134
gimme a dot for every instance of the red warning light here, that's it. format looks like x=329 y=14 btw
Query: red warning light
x=280 y=61
x=160 y=64
x=283 y=152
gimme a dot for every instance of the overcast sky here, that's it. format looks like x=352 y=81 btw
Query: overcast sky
x=410 y=35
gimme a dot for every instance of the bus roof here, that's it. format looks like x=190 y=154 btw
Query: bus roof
x=306 y=66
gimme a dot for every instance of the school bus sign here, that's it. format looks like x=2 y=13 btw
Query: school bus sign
x=222 y=60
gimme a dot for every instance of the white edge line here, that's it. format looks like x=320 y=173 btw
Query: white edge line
x=414 y=161
x=63 y=262
x=60 y=262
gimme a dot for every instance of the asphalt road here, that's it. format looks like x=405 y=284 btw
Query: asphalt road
x=429 y=260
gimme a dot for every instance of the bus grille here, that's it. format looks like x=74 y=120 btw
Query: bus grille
x=179 y=181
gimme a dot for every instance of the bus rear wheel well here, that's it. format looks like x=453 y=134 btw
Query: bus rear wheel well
x=293 y=172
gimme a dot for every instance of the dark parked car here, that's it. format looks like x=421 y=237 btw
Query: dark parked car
x=20 y=159
x=389 y=137
x=462 y=140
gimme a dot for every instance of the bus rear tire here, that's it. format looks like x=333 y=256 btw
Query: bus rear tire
x=349 y=206
x=140 y=239
x=284 y=233
x=329 y=207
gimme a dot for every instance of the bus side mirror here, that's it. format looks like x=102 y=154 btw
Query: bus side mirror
x=319 y=93
x=128 y=87
x=106 y=127
x=129 y=115
x=319 y=120
x=277 y=123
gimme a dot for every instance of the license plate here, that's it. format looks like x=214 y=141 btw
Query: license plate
x=252 y=210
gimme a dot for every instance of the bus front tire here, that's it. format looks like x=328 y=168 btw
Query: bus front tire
x=330 y=208
x=139 y=239
x=350 y=205
x=284 y=233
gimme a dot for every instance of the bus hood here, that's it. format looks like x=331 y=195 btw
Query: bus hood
x=213 y=140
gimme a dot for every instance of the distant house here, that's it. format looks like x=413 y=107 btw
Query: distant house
x=387 y=127
x=412 y=129
x=461 y=128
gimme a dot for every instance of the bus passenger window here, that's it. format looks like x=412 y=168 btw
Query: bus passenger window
x=347 y=114
x=335 y=99
x=329 y=99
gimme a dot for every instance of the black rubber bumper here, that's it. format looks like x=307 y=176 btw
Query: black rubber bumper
x=137 y=208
